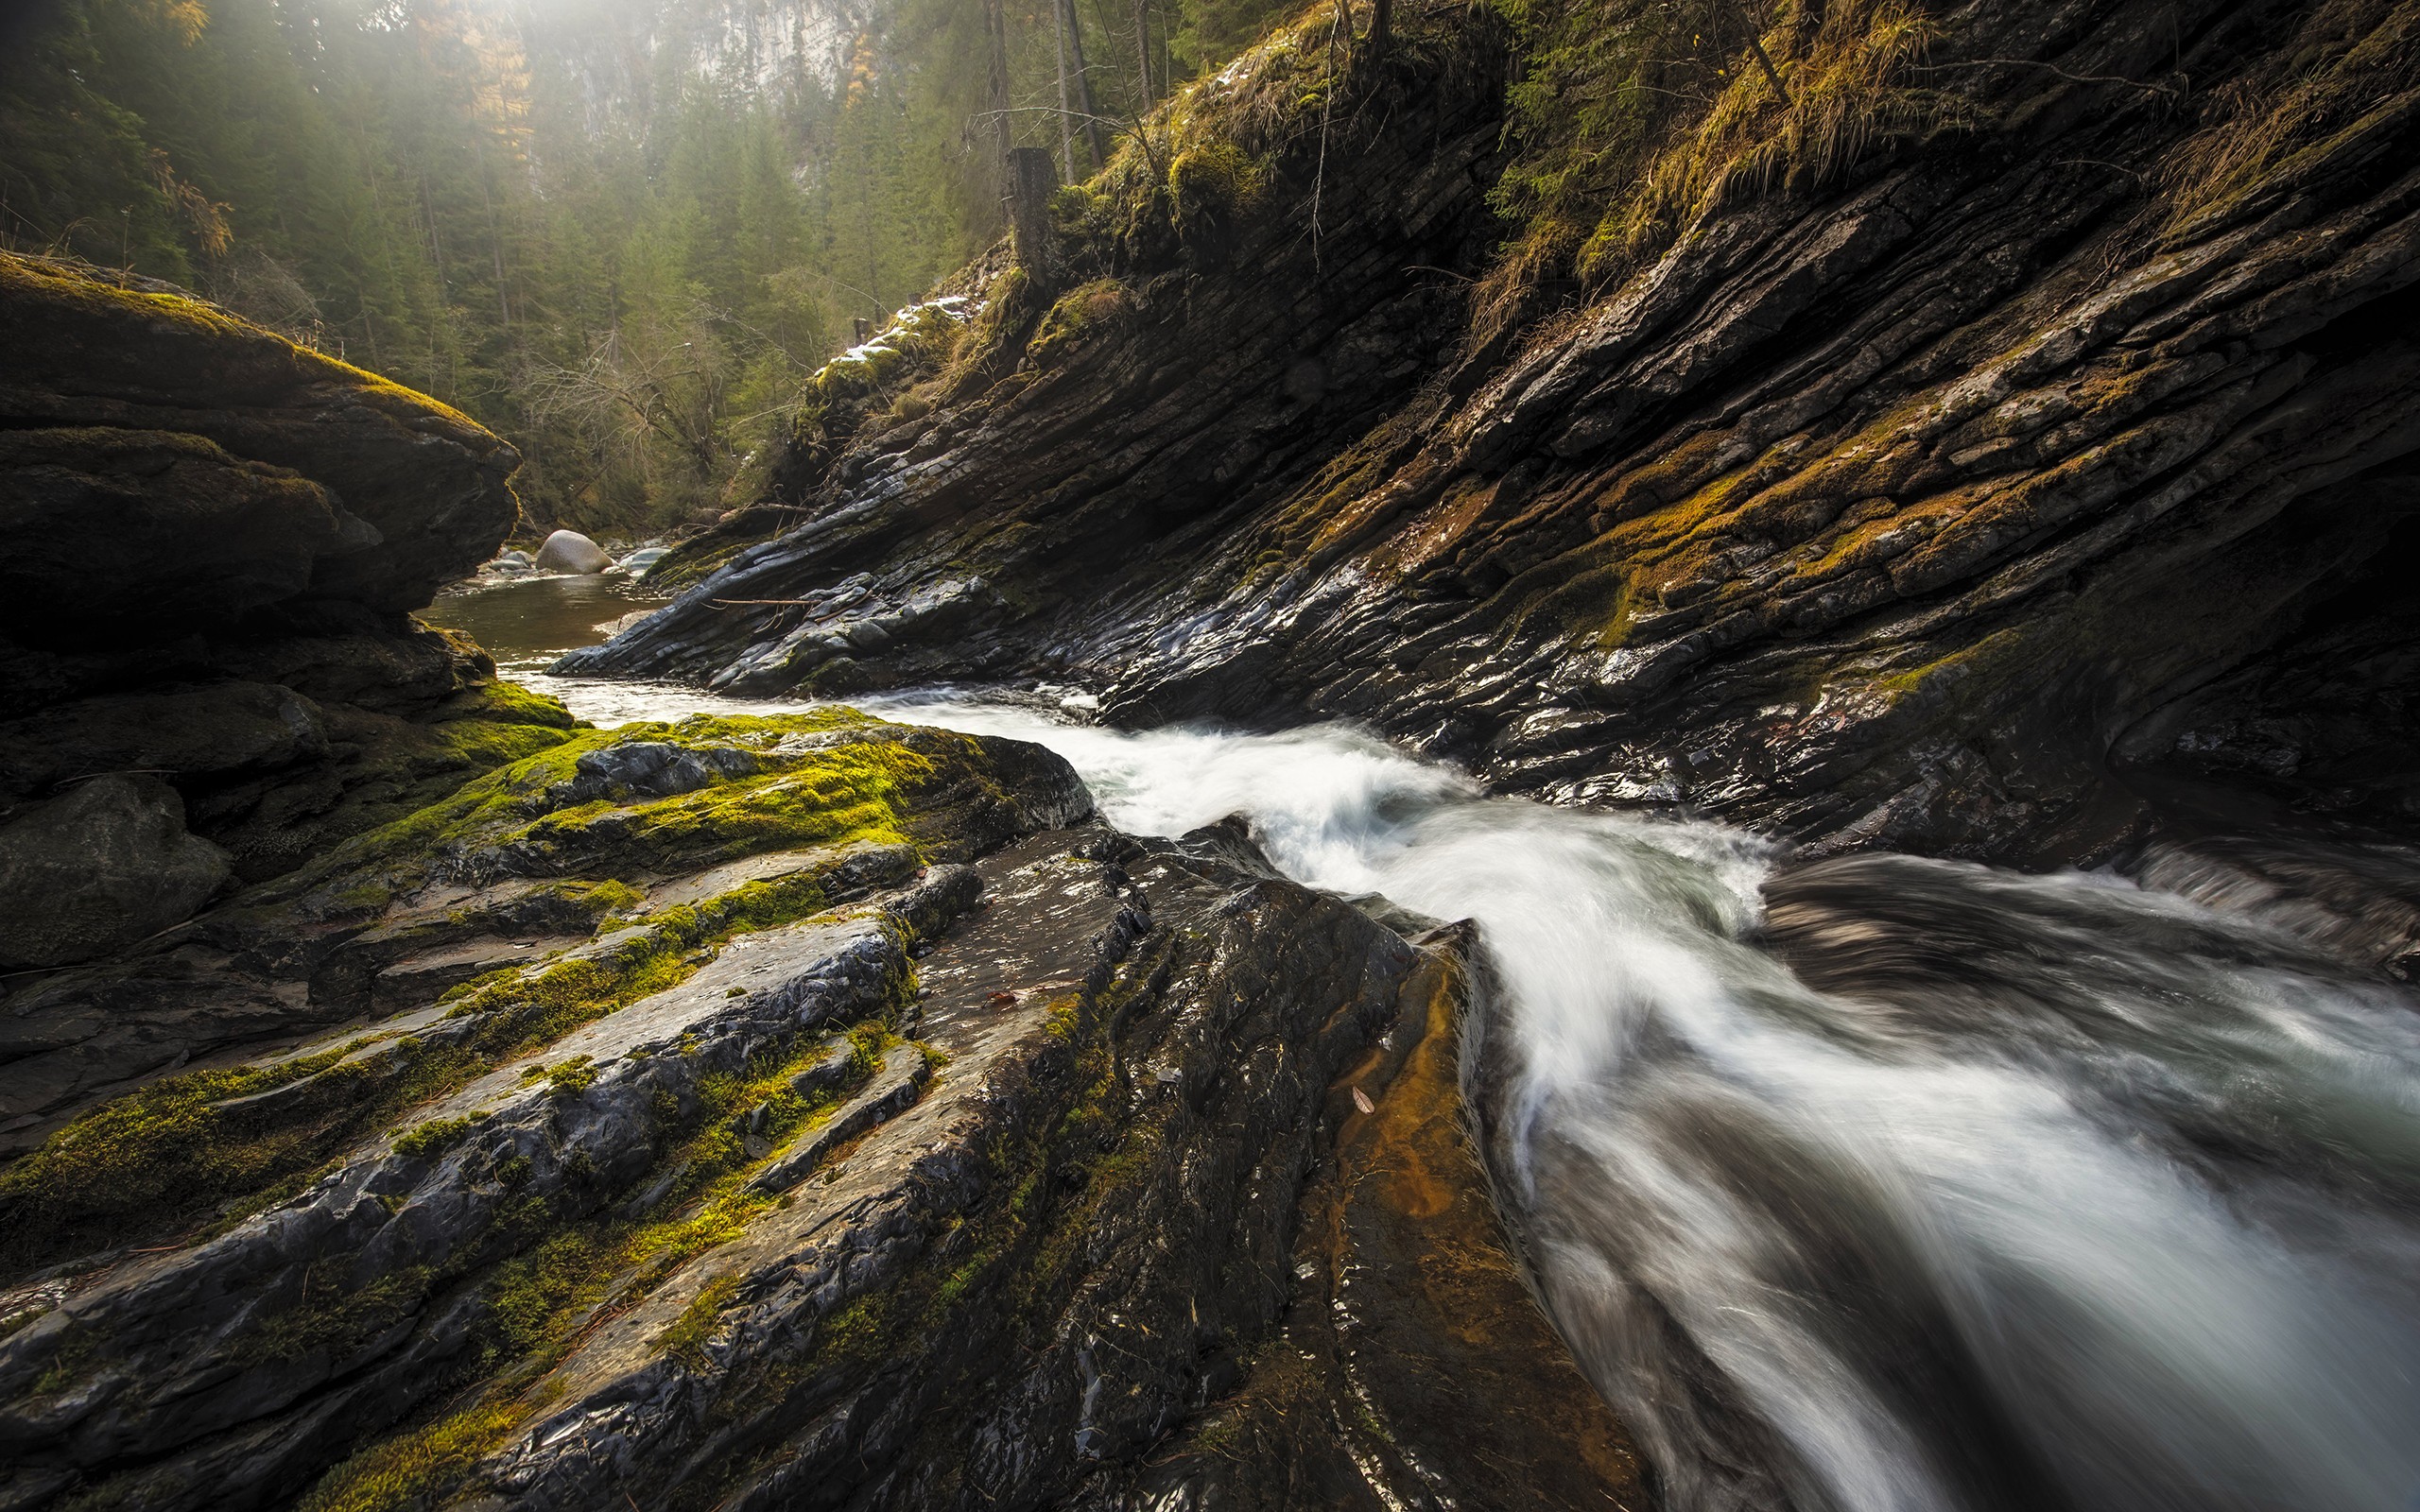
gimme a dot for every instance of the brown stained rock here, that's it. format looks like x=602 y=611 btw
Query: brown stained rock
x=1415 y=1370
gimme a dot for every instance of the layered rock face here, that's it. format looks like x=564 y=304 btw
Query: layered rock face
x=786 y=1112
x=1924 y=509
x=209 y=541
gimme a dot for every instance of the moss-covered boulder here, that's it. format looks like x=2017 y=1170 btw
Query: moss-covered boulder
x=412 y=493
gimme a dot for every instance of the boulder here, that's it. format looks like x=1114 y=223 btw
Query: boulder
x=421 y=486
x=637 y=562
x=217 y=729
x=568 y=551
x=104 y=865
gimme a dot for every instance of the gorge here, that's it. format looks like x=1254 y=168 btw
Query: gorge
x=1750 y=849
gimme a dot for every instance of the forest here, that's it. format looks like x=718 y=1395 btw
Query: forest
x=621 y=233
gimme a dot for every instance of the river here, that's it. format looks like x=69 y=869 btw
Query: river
x=1876 y=1184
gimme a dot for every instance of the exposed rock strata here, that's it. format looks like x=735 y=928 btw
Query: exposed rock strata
x=878 y=1133
x=209 y=538
x=1899 y=514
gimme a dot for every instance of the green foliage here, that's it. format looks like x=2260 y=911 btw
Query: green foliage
x=685 y=1339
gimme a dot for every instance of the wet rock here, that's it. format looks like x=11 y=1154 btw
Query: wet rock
x=1414 y=1369
x=978 y=1188
x=105 y=865
x=568 y=551
x=1903 y=512
x=647 y=768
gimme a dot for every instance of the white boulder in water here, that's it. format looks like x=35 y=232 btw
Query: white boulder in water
x=568 y=551
x=637 y=562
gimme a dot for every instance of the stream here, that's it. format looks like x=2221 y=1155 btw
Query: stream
x=1880 y=1183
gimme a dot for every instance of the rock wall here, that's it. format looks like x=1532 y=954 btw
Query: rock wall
x=210 y=540
x=1923 y=509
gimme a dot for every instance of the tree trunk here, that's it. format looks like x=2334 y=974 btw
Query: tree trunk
x=1143 y=57
x=1382 y=17
x=1030 y=186
x=1066 y=134
x=1083 y=88
x=995 y=87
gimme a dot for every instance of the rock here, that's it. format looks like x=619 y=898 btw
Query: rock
x=209 y=541
x=103 y=866
x=637 y=562
x=421 y=487
x=632 y=1220
x=1915 y=510
x=568 y=551
x=217 y=730
x=825 y=807
x=128 y=535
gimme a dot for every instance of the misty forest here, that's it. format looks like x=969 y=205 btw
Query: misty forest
x=1210 y=755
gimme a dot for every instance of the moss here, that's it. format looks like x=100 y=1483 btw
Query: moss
x=418 y=1467
x=150 y=1163
x=1081 y=311
x=424 y=1139
x=1211 y=187
x=164 y=1150
x=684 y=1339
x=568 y=1277
x=343 y=1317
x=569 y=1078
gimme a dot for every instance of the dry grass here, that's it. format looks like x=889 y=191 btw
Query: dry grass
x=2350 y=60
x=1850 y=99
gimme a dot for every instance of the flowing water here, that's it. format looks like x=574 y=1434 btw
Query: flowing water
x=1882 y=1183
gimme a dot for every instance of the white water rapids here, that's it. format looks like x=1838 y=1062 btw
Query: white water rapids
x=2054 y=1193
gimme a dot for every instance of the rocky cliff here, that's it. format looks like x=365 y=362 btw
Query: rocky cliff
x=1942 y=499
x=212 y=540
